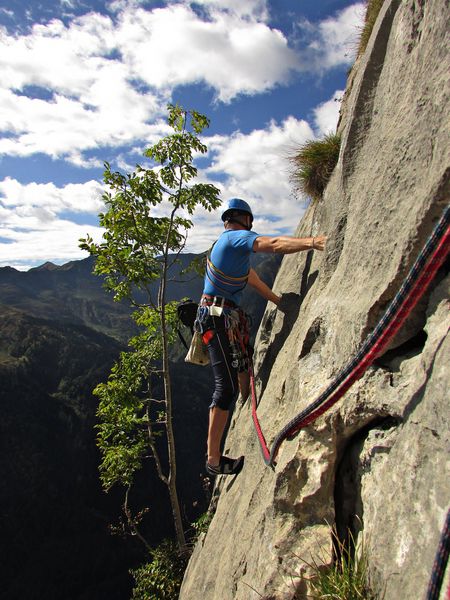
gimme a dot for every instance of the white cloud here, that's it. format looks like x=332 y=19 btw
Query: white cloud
x=37 y=242
x=8 y=13
x=340 y=35
x=55 y=56
x=33 y=234
x=92 y=102
x=256 y=9
x=73 y=197
x=326 y=115
x=33 y=225
x=105 y=80
x=332 y=42
x=256 y=163
x=234 y=55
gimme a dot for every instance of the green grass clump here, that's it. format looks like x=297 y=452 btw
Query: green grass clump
x=347 y=578
x=313 y=164
x=373 y=8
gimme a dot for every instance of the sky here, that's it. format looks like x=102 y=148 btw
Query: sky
x=88 y=81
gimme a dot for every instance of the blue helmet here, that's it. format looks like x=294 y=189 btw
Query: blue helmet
x=238 y=205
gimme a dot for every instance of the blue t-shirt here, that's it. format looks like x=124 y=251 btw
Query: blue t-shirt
x=229 y=264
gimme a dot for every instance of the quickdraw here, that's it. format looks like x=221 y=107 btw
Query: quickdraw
x=237 y=326
x=417 y=281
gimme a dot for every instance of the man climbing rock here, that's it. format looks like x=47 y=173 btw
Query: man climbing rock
x=223 y=323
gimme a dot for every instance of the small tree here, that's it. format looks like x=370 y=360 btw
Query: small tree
x=146 y=223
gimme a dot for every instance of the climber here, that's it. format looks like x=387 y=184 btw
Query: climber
x=223 y=323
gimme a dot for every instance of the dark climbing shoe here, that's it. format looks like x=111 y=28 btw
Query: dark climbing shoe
x=226 y=466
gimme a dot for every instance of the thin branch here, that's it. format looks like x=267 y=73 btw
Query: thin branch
x=252 y=588
x=151 y=441
x=164 y=422
x=132 y=523
x=177 y=254
x=137 y=304
x=183 y=280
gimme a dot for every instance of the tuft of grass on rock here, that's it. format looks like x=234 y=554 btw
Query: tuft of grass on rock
x=313 y=164
x=348 y=576
x=373 y=8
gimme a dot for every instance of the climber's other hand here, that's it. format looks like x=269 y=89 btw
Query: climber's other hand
x=289 y=302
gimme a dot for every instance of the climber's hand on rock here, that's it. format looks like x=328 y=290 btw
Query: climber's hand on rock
x=289 y=302
x=319 y=242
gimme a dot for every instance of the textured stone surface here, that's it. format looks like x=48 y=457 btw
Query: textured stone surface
x=381 y=453
x=404 y=489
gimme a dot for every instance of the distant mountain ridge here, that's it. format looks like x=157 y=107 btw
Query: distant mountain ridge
x=71 y=293
x=48 y=266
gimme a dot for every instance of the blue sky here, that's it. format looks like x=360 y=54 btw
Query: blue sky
x=84 y=81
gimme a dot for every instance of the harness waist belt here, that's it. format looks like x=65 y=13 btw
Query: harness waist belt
x=217 y=301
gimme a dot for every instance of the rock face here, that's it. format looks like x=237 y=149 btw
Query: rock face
x=378 y=461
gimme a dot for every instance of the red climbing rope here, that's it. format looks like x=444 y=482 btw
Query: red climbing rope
x=262 y=441
x=417 y=281
x=440 y=563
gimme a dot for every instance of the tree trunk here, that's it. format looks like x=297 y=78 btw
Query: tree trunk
x=181 y=540
x=176 y=512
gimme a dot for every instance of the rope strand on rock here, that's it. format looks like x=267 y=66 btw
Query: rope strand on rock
x=417 y=281
x=440 y=562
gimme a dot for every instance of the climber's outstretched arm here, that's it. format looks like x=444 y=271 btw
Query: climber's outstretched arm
x=262 y=289
x=287 y=244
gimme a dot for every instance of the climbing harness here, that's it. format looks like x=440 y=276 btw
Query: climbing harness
x=418 y=279
x=237 y=326
x=440 y=563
